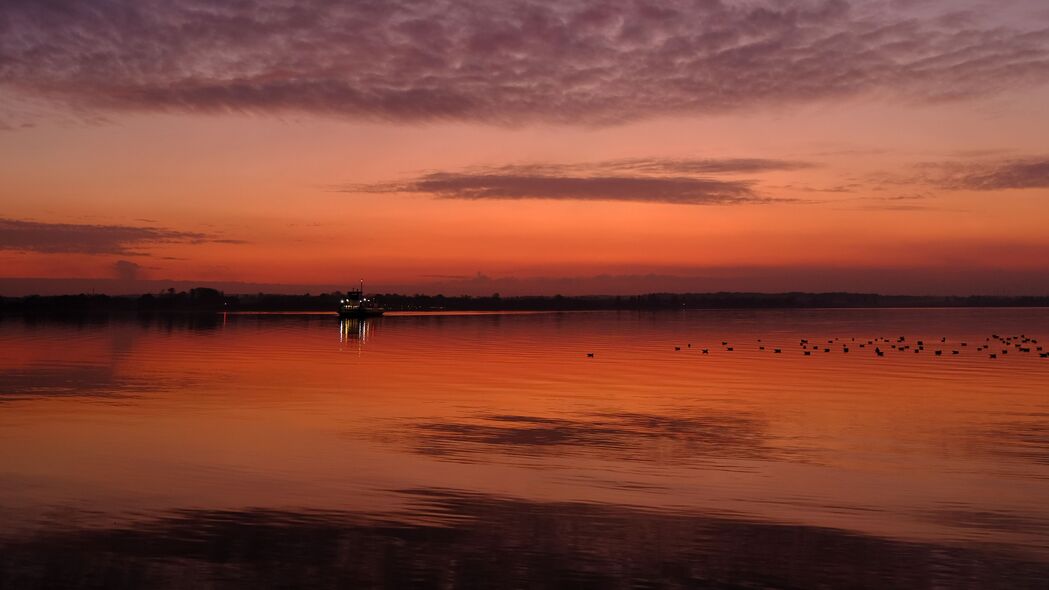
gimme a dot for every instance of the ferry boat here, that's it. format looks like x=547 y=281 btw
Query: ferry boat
x=356 y=305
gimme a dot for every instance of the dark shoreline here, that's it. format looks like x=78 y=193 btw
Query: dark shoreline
x=203 y=300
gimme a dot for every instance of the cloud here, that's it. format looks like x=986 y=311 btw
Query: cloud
x=918 y=201
x=126 y=270
x=56 y=238
x=676 y=190
x=633 y=180
x=994 y=175
x=561 y=61
x=690 y=166
x=835 y=189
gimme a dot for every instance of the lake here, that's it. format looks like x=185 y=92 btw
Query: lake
x=489 y=450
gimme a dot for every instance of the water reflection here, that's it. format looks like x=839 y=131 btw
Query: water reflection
x=994 y=522
x=355 y=330
x=69 y=380
x=477 y=541
x=679 y=438
x=458 y=450
x=202 y=322
x=1027 y=440
x=49 y=358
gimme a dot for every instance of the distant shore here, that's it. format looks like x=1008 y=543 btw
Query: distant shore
x=204 y=300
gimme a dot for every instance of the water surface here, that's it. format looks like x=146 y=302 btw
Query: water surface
x=489 y=450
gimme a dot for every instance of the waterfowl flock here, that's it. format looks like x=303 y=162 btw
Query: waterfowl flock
x=993 y=346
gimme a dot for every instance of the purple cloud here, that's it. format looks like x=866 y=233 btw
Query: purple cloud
x=995 y=175
x=58 y=238
x=661 y=166
x=126 y=270
x=563 y=61
x=676 y=190
x=633 y=180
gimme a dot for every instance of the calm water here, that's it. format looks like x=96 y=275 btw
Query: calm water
x=491 y=451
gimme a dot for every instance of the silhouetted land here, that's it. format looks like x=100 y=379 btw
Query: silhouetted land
x=210 y=300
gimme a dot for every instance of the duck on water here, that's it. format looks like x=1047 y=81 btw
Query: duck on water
x=356 y=305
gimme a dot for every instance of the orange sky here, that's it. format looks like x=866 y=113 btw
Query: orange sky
x=905 y=177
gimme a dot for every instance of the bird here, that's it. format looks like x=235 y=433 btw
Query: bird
x=706 y=351
x=728 y=348
x=590 y=354
x=808 y=353
x=954 y=352
x=994 y=356
x=677 y=348
x=776 y=350
x=939 y=352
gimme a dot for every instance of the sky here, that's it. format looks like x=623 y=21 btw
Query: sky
x=534 y=147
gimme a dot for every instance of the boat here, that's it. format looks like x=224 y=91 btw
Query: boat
x=356 y=305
